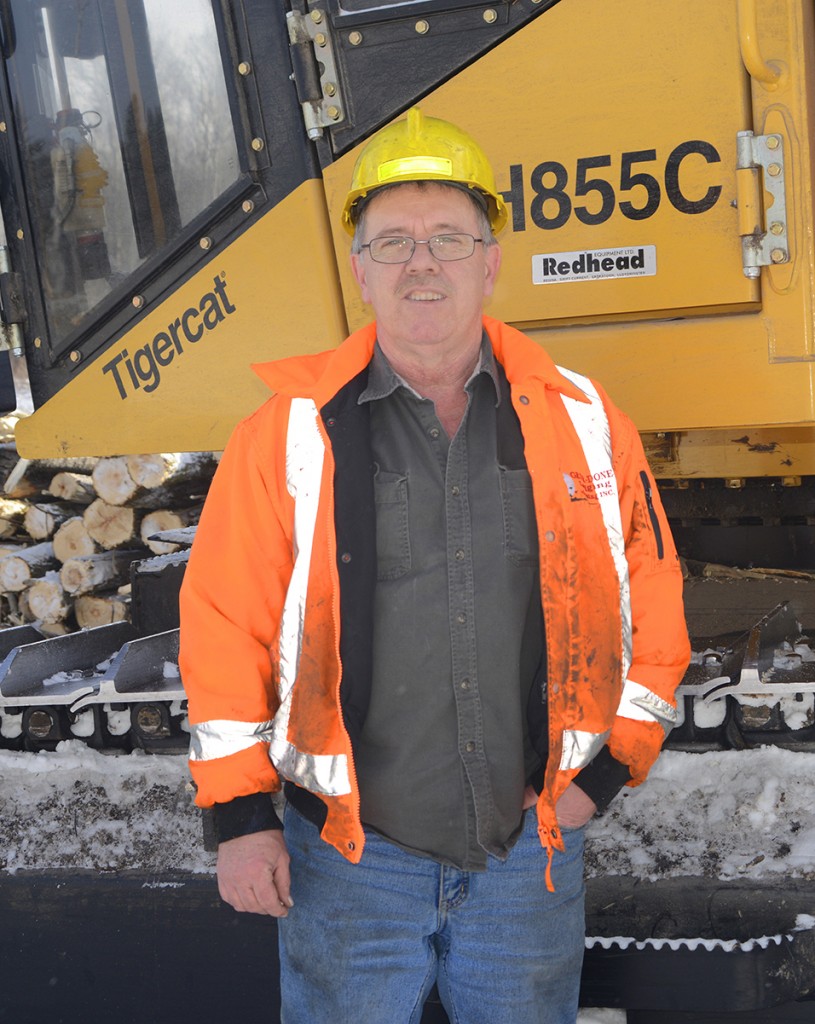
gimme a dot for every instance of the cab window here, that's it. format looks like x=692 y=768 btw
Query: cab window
x=125 y=134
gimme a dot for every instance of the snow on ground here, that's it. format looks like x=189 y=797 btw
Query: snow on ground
x=79 y=809
x=728 y=815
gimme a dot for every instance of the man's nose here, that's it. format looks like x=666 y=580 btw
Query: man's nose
x=422 y=258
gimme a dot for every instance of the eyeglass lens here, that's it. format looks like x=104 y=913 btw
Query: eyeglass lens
x=400 y=248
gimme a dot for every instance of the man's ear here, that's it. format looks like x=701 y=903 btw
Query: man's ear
x=492 y=264
x=358 y=268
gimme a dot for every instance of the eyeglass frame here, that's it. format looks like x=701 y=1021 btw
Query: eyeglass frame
x=420 y=241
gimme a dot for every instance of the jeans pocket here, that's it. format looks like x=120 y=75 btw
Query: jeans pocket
x=392 y=533
x=518 y=507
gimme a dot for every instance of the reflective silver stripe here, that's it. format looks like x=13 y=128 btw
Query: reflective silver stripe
x=222 y=737
x=592 y=427
x=305 y=455
x=319 y=773
x=643 y=705
x=579 y=748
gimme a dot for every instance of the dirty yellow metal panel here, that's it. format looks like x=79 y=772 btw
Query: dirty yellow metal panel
x=181 y=379
x=785 y=33
x=787 y=453
x=693 y=373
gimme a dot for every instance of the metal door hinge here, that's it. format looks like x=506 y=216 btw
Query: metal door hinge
x=763 y=229
x=315 y=71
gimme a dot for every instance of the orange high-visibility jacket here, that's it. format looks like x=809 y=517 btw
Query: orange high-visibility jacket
x=261 y=601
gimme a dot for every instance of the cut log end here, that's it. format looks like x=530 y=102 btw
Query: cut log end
x=72 y=540
x=111 y=526
x=45 y=601
x=100 y=610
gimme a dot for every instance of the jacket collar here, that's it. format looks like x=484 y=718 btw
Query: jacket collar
x=321 y=376
x=524 y=359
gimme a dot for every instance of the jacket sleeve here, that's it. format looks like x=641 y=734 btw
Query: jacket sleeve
x=231 y=603
x=660 y=650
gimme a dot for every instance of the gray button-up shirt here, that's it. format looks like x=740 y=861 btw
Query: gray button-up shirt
x=444 y=753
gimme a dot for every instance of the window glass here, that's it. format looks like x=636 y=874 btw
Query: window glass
x=126 y=135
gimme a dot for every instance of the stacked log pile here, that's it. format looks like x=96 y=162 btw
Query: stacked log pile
x=70 y=528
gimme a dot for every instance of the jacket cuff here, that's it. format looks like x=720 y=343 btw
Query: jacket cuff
x=245 y=815
x=603 y=778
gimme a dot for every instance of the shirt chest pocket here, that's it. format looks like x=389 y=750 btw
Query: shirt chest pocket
x=518 y=510
x=392 y=533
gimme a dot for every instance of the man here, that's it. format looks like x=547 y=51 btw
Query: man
x=433 y=589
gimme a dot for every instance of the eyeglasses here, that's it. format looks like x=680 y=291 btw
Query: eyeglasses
x=400 y=248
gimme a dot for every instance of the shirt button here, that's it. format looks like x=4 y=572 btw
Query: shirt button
x=455 y=490
x=469 y=746
x=523 y=400
x=345 y=556
x=549 y=535
x=461 y=618
x=464 y=684
x=460 y=555
x=434 y=431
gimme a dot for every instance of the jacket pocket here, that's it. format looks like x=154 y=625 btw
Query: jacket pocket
x=656 y=528
x=392 y=533
x=518 y=508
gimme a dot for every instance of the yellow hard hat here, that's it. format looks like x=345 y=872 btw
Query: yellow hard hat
x=423 y=149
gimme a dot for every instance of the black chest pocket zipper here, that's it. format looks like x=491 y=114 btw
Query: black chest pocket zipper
x=652 y=515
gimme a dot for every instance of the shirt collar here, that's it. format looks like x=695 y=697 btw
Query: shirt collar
x=383 y=380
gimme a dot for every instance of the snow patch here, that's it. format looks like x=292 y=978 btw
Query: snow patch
x=80 y=809
x=728 y=814
x=722 y=814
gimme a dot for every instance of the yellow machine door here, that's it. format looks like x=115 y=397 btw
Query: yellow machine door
x=657 y=165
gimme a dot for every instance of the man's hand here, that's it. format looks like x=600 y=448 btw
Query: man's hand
x=253 y=873
x=574 y=808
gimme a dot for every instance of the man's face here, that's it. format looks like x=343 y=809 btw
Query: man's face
x=425 y=302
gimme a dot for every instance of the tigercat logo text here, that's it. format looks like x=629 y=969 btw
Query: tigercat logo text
x=142 y=369
x=594 y=265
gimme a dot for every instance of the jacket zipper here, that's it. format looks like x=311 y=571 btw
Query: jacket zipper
x=652 y=514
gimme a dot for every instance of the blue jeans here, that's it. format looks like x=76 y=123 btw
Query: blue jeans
x=365 y=943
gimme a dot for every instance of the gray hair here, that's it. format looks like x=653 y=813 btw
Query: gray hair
x=484 y=227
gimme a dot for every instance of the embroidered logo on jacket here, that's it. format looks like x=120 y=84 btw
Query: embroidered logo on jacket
x=589 y=486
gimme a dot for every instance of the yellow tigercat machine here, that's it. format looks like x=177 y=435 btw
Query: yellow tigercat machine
x=171 y=180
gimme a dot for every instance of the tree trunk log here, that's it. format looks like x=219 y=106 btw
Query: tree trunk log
x=154 y=481
x=42 y=521
x=12 y=514
x=45 y=601
x=76 y=488
x=159 y=470
x=111 y=526
x=101 y=609
x=72 y=540
x=166 y=519
x=113 y=482
x=105 y=570
x=8 y=459
x=27 y=564
x=54 y=629
x=32 y=477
